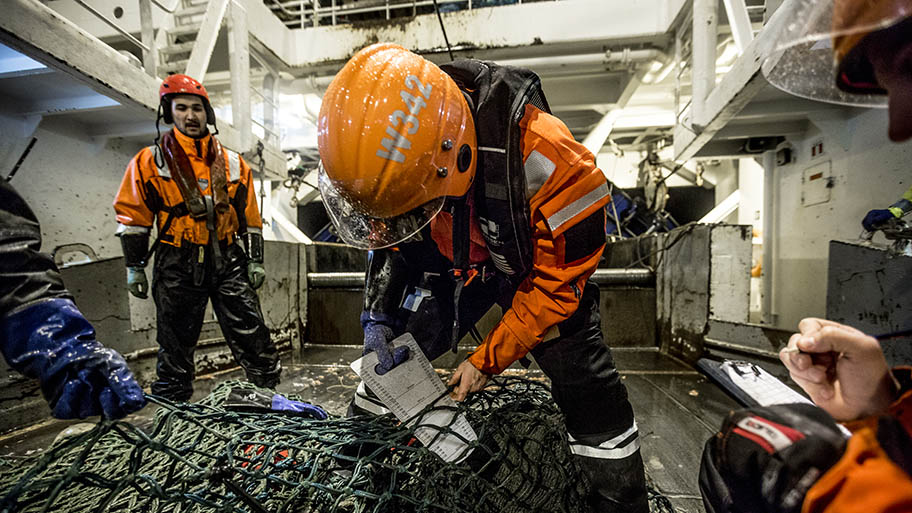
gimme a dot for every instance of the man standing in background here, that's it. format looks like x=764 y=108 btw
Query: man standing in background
x=202 y=198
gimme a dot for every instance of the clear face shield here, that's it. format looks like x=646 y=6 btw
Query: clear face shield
x=364 y=231
x=803 y=62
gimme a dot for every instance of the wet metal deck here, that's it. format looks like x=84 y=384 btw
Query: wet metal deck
x=676 y=409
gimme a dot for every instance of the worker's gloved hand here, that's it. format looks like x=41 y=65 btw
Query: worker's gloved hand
x=282 y=403
x=377 y=338
x=765 y=459
x=261 y=401
x=256 y=273
x=876 y=218
x=137 y=283
x=51 y=341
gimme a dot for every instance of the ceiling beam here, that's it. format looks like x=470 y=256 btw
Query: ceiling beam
x=531 y=29
x=730 y=95
x=39 y=32
x=768 y=129
x=19 y=73
x=67 y=105
x=127 y=129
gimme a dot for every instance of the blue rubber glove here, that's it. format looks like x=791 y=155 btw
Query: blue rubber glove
x=256 y=273
x=137 y=283
x=51 y=341
x=377 y=338
x=282 y=403
x=875 y=218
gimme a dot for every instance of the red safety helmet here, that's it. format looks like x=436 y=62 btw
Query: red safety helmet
x=183 y=84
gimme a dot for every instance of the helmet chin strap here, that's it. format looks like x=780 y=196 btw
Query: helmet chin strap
x=157 y=154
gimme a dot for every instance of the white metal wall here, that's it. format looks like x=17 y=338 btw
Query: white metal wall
x=69 y=180
x=869 y=172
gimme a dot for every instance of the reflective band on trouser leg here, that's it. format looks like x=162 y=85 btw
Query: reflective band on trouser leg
x=615 y=472
x=588 y=389
x=616 y=448
x=366 y=400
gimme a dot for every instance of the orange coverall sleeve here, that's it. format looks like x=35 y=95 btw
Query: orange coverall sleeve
x=130 y=204
x=251 y=208
x=865 y=479
x=575 y=190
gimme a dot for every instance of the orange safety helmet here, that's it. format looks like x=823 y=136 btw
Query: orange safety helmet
x=815 y=54
x=183 y=84
x=396 y=137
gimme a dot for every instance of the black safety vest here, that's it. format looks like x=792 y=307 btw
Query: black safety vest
x=498 y=96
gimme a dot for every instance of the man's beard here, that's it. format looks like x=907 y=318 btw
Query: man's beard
x=204 y=131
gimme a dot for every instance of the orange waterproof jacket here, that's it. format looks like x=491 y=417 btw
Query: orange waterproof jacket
x=865 y=479
x=564 y=187
x=148 y=191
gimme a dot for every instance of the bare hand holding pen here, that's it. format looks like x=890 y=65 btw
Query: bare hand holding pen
x=842 y=369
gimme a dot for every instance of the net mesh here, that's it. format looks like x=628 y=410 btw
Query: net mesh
x=204 y=457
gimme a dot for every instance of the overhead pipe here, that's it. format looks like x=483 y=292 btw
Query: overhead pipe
x=588 y=62
x=606 y=277
x=601 y=60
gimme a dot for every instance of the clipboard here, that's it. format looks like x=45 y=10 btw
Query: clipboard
x=752 y=386
x=409 y=388
x=749 y=384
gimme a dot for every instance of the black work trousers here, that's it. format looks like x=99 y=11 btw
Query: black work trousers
x=184 y=279
x=585 y=383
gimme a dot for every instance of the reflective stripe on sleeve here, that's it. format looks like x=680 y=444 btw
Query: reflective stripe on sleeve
x=132 y=230
x=234 y=166
x=538 y=169
x=617 y=448
x=572 y=210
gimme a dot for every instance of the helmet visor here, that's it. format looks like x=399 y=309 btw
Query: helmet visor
x=364 y=231
x=802 y=61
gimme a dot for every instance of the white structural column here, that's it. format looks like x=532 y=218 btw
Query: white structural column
x=739 y=22
x=150 y=53
x=270 y=108
x=239 y=62
x=769 y=236
x=597 y=137
x=205 y=39
x=724 y=209
x=705 y=29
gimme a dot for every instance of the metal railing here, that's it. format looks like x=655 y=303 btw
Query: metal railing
x=148 y=44
x=113 y=25
x=310 y=13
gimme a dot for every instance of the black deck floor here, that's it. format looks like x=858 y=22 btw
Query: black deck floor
x=676 y=408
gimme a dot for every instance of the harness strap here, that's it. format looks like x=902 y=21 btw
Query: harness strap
x=461 y=248
x=212 y=227
x=179 y=210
